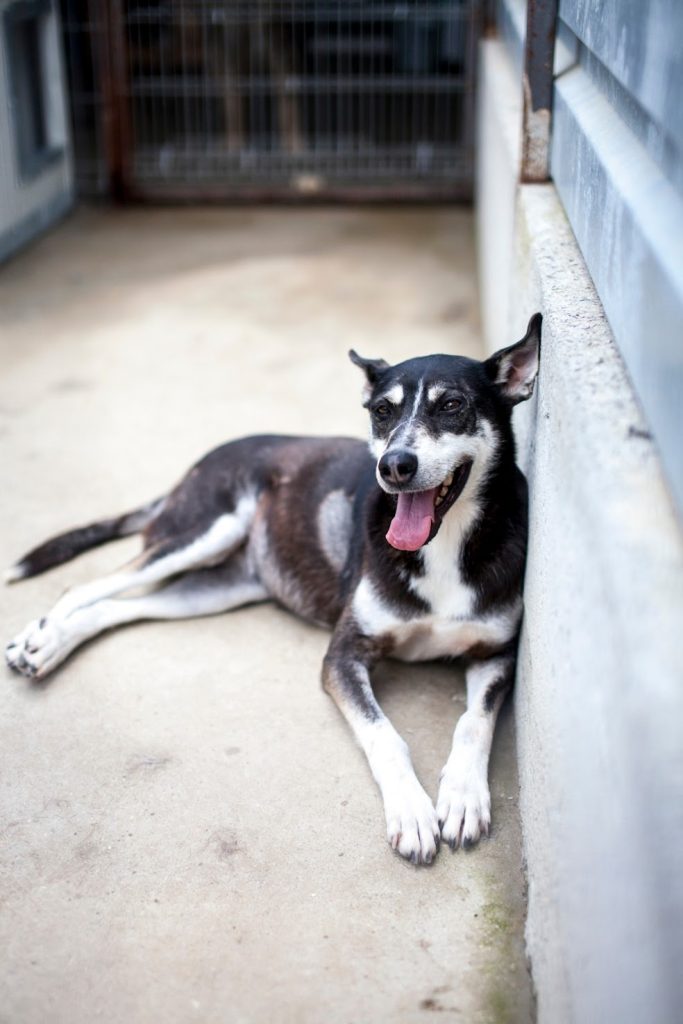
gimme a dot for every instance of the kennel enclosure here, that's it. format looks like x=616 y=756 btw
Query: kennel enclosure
x=199 y=99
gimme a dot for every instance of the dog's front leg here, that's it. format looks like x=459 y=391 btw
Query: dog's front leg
x=464 y=803
x=412 y=825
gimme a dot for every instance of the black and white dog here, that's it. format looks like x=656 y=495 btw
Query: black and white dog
x=416 y=552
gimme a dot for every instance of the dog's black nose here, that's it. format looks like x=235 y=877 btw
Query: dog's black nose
x=398 y=467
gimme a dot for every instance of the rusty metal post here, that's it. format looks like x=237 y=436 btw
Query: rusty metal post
x=112 y=81
x=537 y=81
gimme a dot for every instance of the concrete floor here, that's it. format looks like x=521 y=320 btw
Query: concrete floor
x=188 y=830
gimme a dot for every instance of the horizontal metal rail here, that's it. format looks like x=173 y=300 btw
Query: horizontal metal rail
x=255 y=12
x=188 y=85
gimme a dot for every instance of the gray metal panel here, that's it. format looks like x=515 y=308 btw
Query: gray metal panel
x=628 y=221
x=654 y=137
x=640 y=44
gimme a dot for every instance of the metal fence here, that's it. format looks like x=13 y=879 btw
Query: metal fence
x=192 y=99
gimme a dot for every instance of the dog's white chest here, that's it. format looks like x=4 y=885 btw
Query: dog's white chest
x=450 y=627
x=446 y=632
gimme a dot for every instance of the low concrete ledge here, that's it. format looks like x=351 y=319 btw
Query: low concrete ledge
x=599 y=699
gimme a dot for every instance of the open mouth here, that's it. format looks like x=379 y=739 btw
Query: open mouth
x=419 y=514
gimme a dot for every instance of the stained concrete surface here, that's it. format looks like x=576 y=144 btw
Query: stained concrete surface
x=188 y=831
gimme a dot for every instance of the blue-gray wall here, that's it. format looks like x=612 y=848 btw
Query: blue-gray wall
x=617 y=163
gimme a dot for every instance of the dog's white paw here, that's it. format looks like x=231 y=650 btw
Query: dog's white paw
x=38 y=649
x=412 y=824
x=463 y=808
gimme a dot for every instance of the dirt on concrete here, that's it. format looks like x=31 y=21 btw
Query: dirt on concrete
x=189 y=832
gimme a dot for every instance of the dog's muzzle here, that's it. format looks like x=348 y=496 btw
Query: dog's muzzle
x=419 y=514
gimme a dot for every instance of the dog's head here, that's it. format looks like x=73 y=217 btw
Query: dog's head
x=437 y=423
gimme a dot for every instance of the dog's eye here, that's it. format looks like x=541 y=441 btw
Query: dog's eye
x=451 y=405
x=382 y=410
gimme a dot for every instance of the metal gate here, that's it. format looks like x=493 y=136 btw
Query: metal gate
x=201 y=99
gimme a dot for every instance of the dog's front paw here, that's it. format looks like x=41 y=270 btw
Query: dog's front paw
x=463 y=808
x=36 y=650
x=412 y=825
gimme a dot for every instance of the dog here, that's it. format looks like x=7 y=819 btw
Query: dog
x=415 y=550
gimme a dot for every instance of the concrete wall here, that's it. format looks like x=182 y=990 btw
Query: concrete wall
x=29 y=204
x=599 y=699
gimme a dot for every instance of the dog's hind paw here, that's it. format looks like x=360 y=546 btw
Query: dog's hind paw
x=463 y=810
x=412 y=825
x=36 y=650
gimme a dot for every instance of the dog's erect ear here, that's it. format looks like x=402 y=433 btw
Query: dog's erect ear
x=372 y=369
x=514 y=369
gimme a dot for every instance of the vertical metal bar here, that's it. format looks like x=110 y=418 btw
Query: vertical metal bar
x=113 y=80
x=161 y=155
x=203 y=99
x=175 y=81
x=341 y=69
x=372 y=137
x=537 y=82
x=184 y=77
x=75 y=91
x=466 y=105
x=216 y=79
x=312 y=37
x=447 y=97
x=138 y=99
x=98 y=40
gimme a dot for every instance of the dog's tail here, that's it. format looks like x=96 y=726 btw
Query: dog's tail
x=66 y=546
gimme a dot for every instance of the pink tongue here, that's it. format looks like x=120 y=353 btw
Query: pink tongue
x=410 y=526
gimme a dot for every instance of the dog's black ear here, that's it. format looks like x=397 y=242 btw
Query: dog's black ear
x=514 y=369
x=372 y=369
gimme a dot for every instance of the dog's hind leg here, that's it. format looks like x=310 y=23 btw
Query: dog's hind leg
x=464 y=803
x=204 y=545
x=201 y=547
x=44 y=645
x=412 y=825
